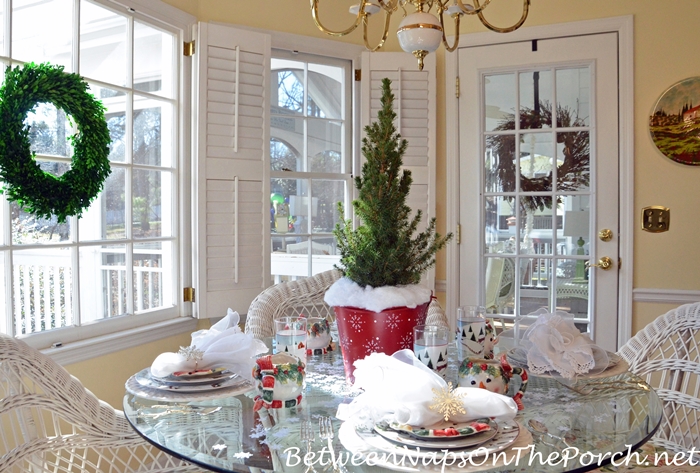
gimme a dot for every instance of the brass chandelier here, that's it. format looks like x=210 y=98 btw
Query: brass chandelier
x=420 y=32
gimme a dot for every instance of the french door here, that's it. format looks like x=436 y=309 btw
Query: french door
x=538 y=151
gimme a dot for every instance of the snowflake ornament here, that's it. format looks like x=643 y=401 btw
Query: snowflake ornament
x=191 y=353
x=242 y=455
x=447 y=402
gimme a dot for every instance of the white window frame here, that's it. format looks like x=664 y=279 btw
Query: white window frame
x=78 y=343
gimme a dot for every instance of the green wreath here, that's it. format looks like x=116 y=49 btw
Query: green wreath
x=35 y=190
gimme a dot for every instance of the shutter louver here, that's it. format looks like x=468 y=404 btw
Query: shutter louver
x=232 y=159
x=414 y=104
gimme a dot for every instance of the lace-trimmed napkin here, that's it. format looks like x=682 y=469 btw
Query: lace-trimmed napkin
x=554 y=344
x=400 y=388
x=223 y=345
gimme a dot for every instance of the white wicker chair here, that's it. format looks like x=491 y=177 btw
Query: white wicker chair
x=305 y=296
x=666 y=353
x=51 y=423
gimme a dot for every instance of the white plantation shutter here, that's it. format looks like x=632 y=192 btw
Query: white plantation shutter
x=232 y=211
x=414 y=104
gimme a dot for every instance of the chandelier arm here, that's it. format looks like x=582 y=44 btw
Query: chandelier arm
x=526 y=7
x=360 y=15
x=387 y=21
x=476 y=9
x=390 y=6
x=444 y=38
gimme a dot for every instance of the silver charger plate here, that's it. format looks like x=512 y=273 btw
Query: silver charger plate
x=145 y=379
x=477 y=438
x=240 y=386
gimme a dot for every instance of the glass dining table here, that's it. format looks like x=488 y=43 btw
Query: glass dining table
x=564 y=427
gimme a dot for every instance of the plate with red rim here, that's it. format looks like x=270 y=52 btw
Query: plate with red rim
x=402 y=435
x=444 y=429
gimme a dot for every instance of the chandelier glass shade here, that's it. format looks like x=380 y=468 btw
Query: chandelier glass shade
x=422 y=31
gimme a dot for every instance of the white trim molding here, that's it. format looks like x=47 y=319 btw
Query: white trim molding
x=666 y=296
x=88 y=349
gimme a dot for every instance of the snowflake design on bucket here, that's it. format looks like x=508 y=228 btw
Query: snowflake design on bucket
x=356 y=321
x=392 y=321
x=407 y=341
x=372 y=346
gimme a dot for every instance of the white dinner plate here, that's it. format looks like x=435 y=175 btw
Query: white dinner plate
x=404 y=438
x=217 y=377
x=505 y=436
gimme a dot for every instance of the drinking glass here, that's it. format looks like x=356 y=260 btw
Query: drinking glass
x=290 y=336
x=471 y=331
x=430 y=346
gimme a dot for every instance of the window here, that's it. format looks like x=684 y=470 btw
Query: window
x=117 y=266
x=310 y=161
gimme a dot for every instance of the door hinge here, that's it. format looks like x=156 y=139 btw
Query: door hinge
x=358 y=75
x=457 y=86
x=188 y=48
x=458 y=233
x=188 y=294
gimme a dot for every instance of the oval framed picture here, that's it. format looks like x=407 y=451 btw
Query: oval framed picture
x=675 y=122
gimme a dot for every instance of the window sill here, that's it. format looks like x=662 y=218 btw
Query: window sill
x=88 y=349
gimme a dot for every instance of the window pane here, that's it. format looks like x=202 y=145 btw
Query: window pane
x=42 y=31
x=499 y=92
x=325 y=91
x=102 y=282
x=42 y=289
x=105 y=219
x=102 y=44
x=573 y=97
x=28 y=229
x=49 y=130
x=283 y=157
x=153 y=132
x=153 y=267
x=326 y=194
x=573 y=161
x=281 y=190
x=287 y=84
x=500 y=163
x=325 y=145
x=153 y=60
x=115 y=102
x=152 y=203
x=536 y=99
x=500 y=225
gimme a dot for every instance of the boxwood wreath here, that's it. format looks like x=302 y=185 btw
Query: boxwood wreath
x=35 y=190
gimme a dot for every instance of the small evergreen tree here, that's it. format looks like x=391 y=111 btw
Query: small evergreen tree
x=383 y=251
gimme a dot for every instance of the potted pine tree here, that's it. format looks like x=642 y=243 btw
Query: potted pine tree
x=379 y=300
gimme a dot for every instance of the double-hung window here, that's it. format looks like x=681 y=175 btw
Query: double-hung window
x=310 y=160
x=117 y=266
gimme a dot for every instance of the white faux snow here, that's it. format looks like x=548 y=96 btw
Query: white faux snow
x=347 y=293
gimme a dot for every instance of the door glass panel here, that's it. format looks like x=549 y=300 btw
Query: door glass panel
x=536 y=99
x=499 y=102
x=573 y=96
x=500 y=225
x=536 y=158
x=573 y=161
x=499 y=160
x=500 y=280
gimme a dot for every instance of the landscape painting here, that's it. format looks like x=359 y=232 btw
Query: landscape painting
x=675 y=122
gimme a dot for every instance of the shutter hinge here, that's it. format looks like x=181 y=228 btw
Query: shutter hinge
x=458 y=235
x=358 y=75
x=188 y=48
x=457 y=86
x=188 y=294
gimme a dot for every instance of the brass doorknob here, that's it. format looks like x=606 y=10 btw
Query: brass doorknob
x=604 y=263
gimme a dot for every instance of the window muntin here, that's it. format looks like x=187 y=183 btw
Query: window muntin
x=120 y=257
x=310 y=154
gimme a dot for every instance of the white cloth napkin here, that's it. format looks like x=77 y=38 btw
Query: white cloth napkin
x=554 y=344
x=223 y=345
x=399 y=388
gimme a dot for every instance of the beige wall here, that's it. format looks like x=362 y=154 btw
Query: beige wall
x=666 y=51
